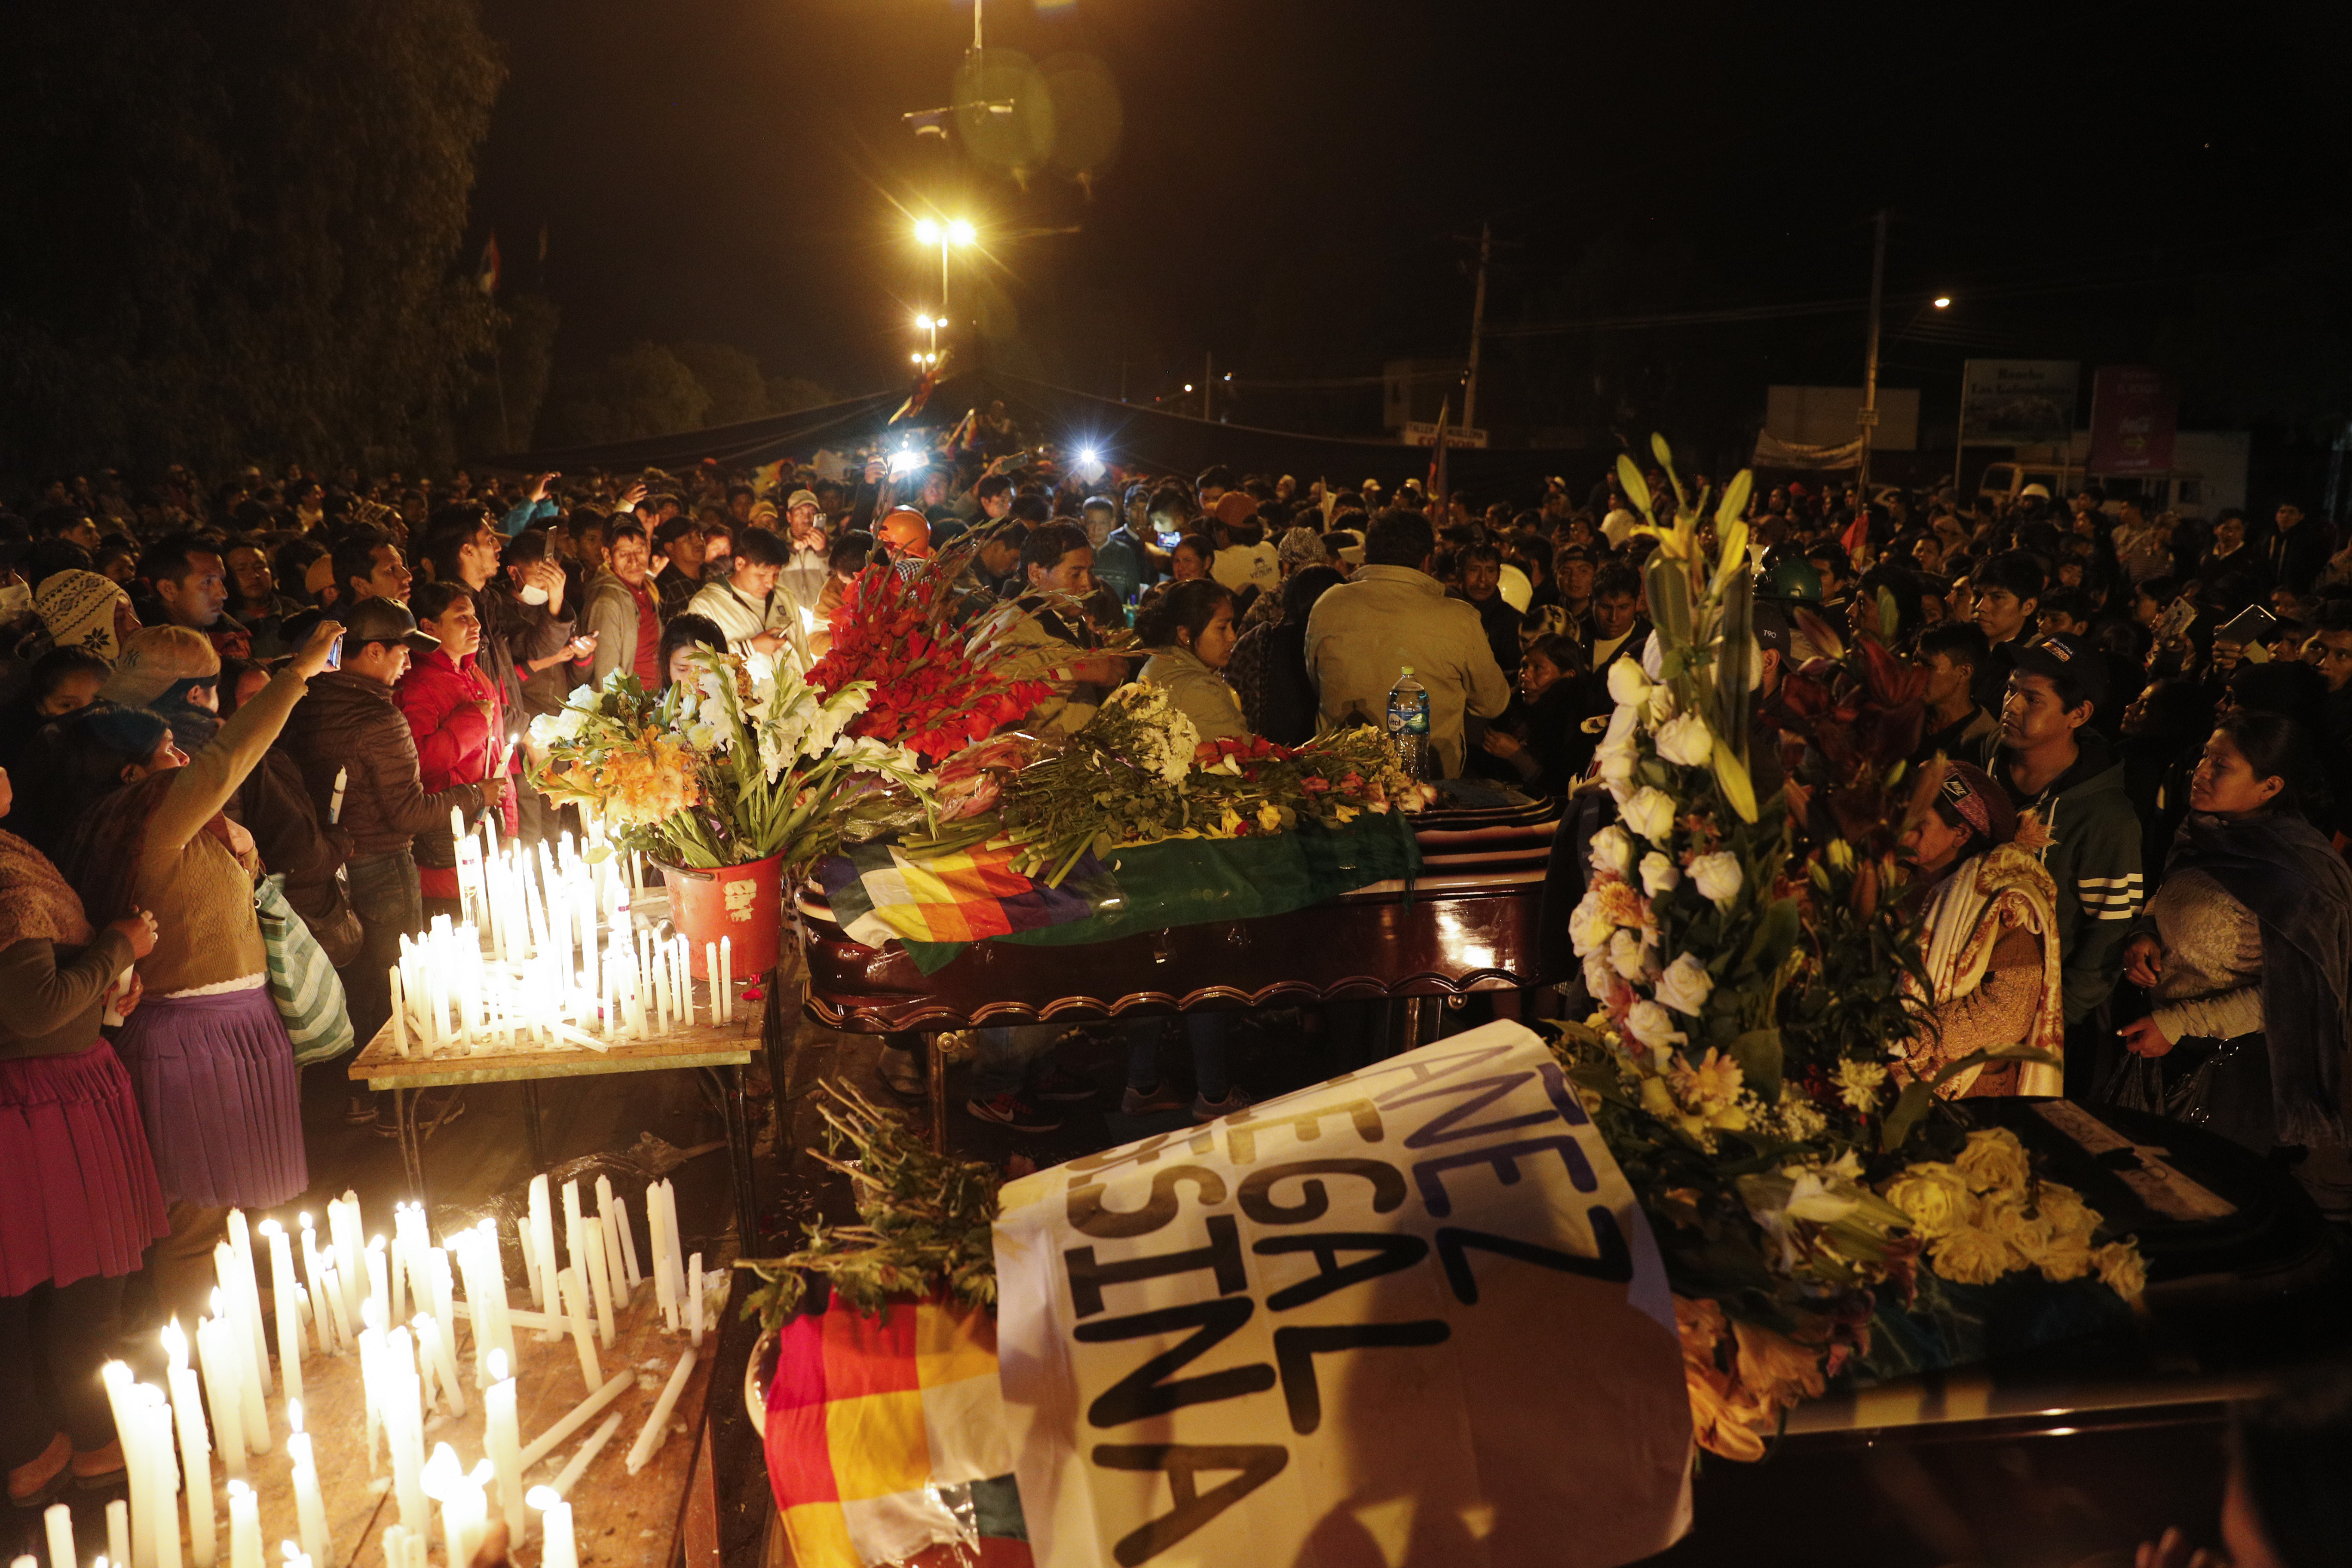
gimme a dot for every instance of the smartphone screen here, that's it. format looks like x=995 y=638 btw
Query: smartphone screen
x=335 y=654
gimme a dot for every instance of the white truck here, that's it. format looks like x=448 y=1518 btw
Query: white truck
x=2208 y=475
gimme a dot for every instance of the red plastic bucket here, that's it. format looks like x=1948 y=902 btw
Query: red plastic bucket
x=743 y=903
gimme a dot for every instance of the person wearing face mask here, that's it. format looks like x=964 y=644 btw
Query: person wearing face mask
x=82 y=1200
x=746 y=604
x=206 y=1051
x=2245 y=954
x=1988 y=940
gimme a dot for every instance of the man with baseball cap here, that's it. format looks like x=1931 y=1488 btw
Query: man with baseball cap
x=2055 y=765
x=350 y=725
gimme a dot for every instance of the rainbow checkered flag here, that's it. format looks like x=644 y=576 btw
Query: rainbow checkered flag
x=868 y=1415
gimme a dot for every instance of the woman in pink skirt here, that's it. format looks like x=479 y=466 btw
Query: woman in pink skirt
x=78 y=1199
x=207 y=1054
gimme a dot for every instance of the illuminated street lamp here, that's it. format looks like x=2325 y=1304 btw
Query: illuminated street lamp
x=1943 y=302
x=946 y=236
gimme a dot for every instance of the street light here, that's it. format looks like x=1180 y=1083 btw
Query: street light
x=955 y=232
x=1943 y=302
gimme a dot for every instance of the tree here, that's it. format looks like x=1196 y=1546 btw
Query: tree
x=645 y=390
x=238 y=229
x=737 y=391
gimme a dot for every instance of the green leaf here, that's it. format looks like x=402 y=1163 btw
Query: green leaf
x=1759 y=1054
x=1636 y=487
x=1776 y=933
x=1669 y=596
x=1909 y=1106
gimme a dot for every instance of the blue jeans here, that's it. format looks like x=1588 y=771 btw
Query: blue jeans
x=391 y=904
x=1206 y=1033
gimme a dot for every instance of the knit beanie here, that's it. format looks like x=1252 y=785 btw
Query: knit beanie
x=77 y=608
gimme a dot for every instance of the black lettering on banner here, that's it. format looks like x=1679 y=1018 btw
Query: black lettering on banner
x=1141 y=1393
x=1571 y=1109
x=1446 y=1126
x=1295 y=1350
x=1504 y=1158
x=1088 y=1215
x=1391 y=1252
x=1240 y=1134
x=1615 y=1263
x=1222 y=1254
x=1257 y=1189
x=1257 y=1463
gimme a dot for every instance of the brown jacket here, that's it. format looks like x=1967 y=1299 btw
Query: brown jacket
x=352 y=722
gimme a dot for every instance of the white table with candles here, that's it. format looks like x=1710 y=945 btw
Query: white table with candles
x=562 y=965
x=394 y=1398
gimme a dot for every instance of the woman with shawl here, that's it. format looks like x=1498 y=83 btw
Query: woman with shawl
x=1988 y=943
x=78 y=1199
x=207 y=1053
x=2246 y=952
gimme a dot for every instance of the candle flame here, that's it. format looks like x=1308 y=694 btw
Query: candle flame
x=498 y=1367
x=294 y=1414
x=441 y=1476
x=270 y=1227
x=175 y=1345
x=543 y=1497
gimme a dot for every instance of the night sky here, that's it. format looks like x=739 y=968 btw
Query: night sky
x=2091 y=181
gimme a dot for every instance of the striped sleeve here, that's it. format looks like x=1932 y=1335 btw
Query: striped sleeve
x=2111 y=898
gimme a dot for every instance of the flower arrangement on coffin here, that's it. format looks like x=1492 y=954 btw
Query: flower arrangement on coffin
x=942 y=672
x=1138 y=773
x=740 y=760
x=1795 y=1195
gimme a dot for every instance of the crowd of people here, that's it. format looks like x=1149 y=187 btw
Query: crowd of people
x=2138 y=721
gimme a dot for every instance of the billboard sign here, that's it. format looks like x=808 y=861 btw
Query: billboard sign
x=2018 y=402
x=2135 y=411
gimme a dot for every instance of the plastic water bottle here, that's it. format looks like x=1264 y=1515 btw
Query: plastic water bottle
x=1408 y=723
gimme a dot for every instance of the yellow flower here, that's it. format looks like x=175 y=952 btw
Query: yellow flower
x=1229 y=822
x=1269 y=818
x=1974 y=1257
x=2122 y=1269
x=1937 y=1197
x=1995 y=1161
x=1710 y=1086
x=1859 y=1083
x=1775 y=1367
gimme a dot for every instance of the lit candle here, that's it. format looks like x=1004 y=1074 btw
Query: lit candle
x=502 y=1440
x=309 y=1503
x=656 y=1427
x=379 y=1278
x=282 y=1286
x=322 y=1323
x=236 y=1348
x=374 y=1379
x=463 y=1508
x=576 y=1307
x=243 y=1527
x=557 y=1548
x=195 y=1445
x=131 y=1429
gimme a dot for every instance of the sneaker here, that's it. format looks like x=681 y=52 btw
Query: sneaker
x=1059 y=1083
x=902 y=1075
x=1210 y=1109
x=1009 y=1110
x=1162 y=1096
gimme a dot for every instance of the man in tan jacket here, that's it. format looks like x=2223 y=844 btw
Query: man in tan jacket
x=1393 y=614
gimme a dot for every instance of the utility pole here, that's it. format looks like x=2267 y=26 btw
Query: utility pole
x=1868 y=418
x=1477 y=327
x=1208 y=379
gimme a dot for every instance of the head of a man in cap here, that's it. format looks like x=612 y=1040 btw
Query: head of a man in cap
x=2052 y=690
x=161 y=664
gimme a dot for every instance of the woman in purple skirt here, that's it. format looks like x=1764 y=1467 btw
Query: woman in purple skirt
x=78 y=1199
x=207 y=1053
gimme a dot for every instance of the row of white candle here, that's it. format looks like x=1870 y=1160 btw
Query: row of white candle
x=446 y=993
x=405 y=1368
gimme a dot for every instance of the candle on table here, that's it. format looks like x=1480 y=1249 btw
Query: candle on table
x=600 y=1283
x=677 y=1243
x=58 y=1523
x=281 y=1286
x=399 y=1014
x=576 y=1307
x=579 y=1415
x=379 y=1278
x=195 y=1445
x=309 y=1502
x=569 y=1477
x=493 y=1288
x=557 y=1548
x=656 y=1426
x=502 y=1440
x=726 y=979
x=543 y=1236
x=243 y=1527
x=322 y=1324
x=572 y=1238
x=529 y=1250
x=374 y=1379
x=396 y=1270
x=403 y=1429
x=246 y=1293
x=432 y=1343
x=628 y=1244
x=664 y=1291
x=332 y=1285
x=694 y=1302
x=463 y=1506
x=117 y=1533
x=615 y=1268
x=221 y=1394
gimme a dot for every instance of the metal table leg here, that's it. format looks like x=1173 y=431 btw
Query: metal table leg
x=412 y=1143
x=937 y=1060
x=744 y=1171
x=536 y=1144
